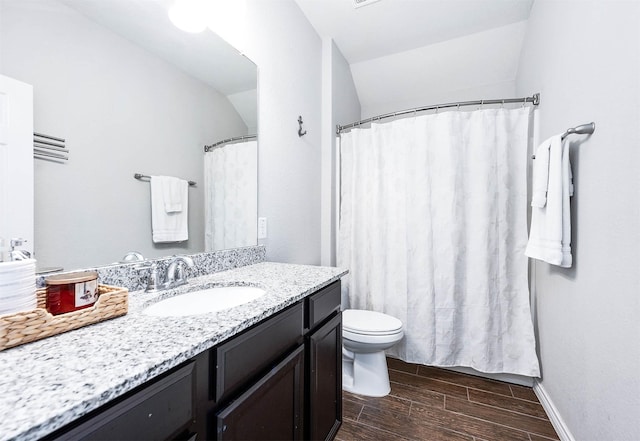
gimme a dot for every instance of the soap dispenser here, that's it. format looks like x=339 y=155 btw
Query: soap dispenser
x=18 y=254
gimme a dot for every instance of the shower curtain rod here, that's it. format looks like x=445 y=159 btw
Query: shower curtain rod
x=208 y=148
x=535 y=100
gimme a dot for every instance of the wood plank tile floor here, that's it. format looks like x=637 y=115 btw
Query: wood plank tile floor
x=434 y=404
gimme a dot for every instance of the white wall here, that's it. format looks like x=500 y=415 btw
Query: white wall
x=340 y=104
x=16 y=165
x=583 y=56
x=288 y=53
x=122 y=110
x=245 y=105
x=477 y=66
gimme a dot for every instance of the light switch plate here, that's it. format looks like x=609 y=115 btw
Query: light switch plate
x=262 y=228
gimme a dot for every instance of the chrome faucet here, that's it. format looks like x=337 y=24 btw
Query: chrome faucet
x=153 y=281
x=175 y=275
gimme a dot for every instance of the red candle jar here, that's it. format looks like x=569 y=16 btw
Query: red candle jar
x=71 y=292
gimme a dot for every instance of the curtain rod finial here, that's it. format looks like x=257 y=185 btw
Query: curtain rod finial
x=536 y=99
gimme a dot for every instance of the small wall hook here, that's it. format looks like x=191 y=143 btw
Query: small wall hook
x=300 y=132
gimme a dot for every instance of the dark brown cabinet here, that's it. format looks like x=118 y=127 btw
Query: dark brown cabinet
x=272 y=409
x=281 y=379
x=245 y=356
x=288 y=403
x=324 y=410
x=162 y=409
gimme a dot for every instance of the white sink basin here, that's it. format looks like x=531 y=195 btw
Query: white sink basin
x=204 y=301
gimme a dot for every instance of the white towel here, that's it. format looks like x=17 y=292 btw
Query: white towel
x=173 y=191
x=550 y=235
x=567 y=192
x=540 y=180
x=169 y=209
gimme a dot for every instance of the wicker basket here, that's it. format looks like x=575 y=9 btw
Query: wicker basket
x=28 y=326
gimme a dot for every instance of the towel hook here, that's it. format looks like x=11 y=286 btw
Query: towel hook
x=300 y=132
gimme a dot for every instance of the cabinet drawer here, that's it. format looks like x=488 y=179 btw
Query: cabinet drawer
x=247 y=355
x=159 y=411
x=322 y=304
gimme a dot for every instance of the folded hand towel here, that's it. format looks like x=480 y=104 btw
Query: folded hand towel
x=169 y=226
x=540 y=180
x=550 y=235
x=567 y=192
x=173 y=191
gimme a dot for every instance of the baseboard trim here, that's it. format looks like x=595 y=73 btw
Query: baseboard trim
x=552 y=412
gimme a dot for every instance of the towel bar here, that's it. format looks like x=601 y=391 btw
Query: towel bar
x=583 y=129
x=142 y=177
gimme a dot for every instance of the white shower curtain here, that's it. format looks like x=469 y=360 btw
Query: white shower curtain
x=433 y=230
x=231 y=201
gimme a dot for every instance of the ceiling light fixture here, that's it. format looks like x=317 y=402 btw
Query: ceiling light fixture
x=227 y=18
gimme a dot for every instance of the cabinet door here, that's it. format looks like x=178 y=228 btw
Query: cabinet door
x=325 y=380
x=272 y=409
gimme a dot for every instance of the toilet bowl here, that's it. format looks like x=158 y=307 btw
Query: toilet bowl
x=365 y=337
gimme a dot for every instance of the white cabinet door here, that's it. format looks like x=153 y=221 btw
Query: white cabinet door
x=16 y=161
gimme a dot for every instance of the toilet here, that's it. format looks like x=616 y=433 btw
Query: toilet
x=365 y=337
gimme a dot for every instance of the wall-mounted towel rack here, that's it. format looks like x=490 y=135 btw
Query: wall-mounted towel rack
x=584 y=129
x=49 y=147
x=142 y=177
x=208 y=148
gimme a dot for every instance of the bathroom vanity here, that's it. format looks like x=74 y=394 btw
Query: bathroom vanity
x=269 y=369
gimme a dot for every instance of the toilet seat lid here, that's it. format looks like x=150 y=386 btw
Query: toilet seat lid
x=369 y=322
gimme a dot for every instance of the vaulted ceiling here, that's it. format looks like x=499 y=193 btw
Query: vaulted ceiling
x=387 y=27
x=410 y=53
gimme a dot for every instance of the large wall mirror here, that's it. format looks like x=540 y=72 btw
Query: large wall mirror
x=130 y=93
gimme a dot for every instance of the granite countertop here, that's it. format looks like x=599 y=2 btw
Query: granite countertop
x=46 y=384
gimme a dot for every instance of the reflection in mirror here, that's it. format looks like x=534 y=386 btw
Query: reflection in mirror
x=130 y=93
x=231 y=202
